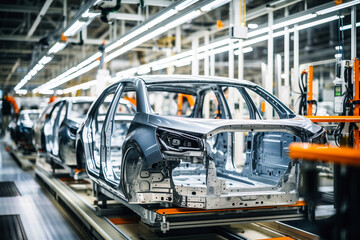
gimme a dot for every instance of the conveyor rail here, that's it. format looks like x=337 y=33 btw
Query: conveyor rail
x=154 y=222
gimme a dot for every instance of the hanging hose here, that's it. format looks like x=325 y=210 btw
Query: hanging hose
x=303 y=93
x=303 y=110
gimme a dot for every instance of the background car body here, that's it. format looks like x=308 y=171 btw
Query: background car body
x=56 y=129
x=189 y=161
x=21 y=129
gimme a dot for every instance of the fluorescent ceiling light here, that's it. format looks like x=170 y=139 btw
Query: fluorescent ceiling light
x=74 y=28
x=338 y=7
x=88 y=14
x=316 y=23
x=21 y=91
x=82 y=86
x=213 y=5
x=338 y=48
x=33 y=72
x=57 y=47
x=144 y=70
x=46 y=92
x=347 y=27
x=293 y=21
x=183 y=19
x=185 y=4
x=161 y=18
x=258 y=32
x=45 y=60
x=89 y=60
x=20 y=85
x=141 y=29
x=183 y=62
x=73 y=75
x=38 y=67
x=252 y=26
x=27 y=78
x=245 y=50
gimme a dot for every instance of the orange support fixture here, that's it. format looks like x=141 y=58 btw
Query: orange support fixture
x=319 y=152
x=310 y=89
x=356 y=99
x=171 y=211
x=334 y=119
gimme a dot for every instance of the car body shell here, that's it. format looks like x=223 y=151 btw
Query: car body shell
x=152 y=172
x=55 y=130
x=21 y=129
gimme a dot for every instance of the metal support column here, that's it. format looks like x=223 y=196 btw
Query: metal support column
x=212 y=60
x=278 y=71
x=295 y=86
x=178 y=39
x=115 y=27
x=353 y=32
x=123 y=27
x=65 y=13
x=231 y=59
x=195 y=60
x=206 y=60
x=285 y=90
x=270 y=62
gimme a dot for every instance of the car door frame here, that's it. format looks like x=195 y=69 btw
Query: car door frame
x=55 y=137
x=48 y=138
x=107 y=131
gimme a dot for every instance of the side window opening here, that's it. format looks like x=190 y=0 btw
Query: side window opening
x=211 y=108
x=172 y=103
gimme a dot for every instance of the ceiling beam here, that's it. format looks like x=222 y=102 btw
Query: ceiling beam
x=27 y=9
x=159 y=3
x=17 y=63
x=18 y=38
x=38 y=18
x=126 y=16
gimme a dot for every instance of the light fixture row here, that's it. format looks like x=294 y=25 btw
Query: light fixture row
x=125 y=45
x=185 y=58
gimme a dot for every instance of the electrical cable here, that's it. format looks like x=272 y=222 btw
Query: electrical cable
x=303 y=92
x=347 y=106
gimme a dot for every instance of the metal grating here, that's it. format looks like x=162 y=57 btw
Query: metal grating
x=8 y=189
x=11 y=228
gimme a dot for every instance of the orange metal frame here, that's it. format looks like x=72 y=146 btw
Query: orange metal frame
x=356 y=98
x=318 y=152
x=309 y=71
x=169 y=211
x=334 y=119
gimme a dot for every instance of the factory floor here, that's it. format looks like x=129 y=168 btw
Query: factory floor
x=26 y=211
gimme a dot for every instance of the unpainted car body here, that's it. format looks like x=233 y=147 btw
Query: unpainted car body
x=55 y=131
x=189 y=160
x=21 y=129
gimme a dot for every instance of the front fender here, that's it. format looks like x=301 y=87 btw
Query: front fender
x=145 y=137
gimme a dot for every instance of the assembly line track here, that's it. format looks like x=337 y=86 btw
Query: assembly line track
x=101 y=228
x=98 y=226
